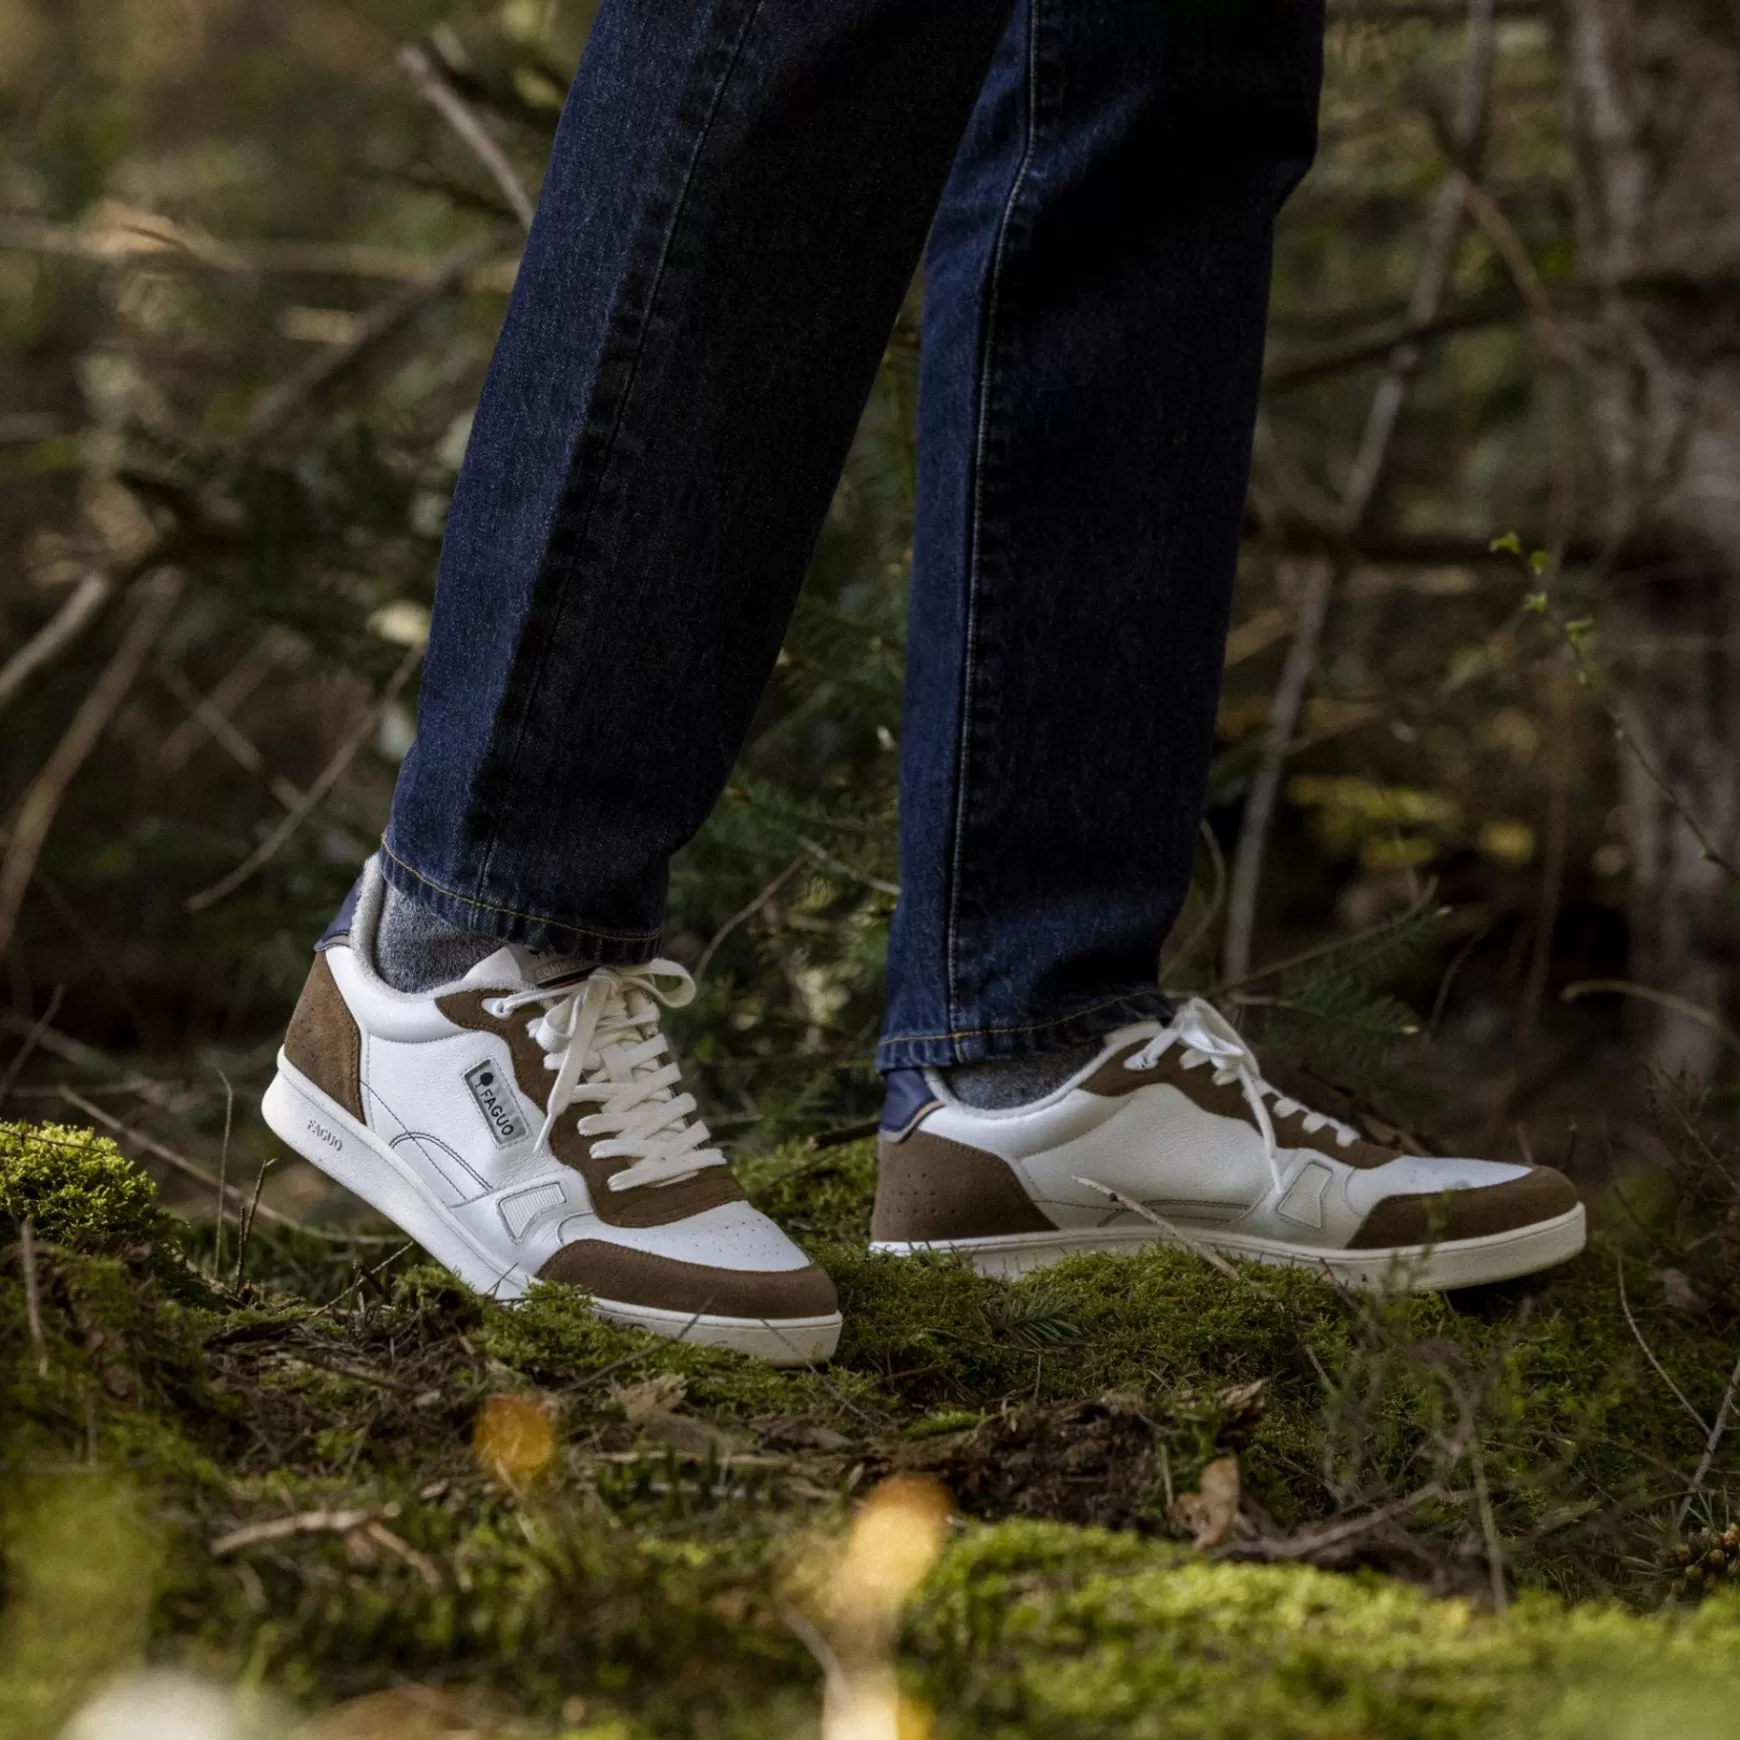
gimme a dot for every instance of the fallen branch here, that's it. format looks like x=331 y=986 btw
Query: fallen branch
x=284 y=1528
x=1176 y=1233
x=327 y=778
x=170 y=1156
x=1273 y=1550
x=44 y=795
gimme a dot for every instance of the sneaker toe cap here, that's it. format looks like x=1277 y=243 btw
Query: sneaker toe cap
x=1447 y=1216
x=623 y=1275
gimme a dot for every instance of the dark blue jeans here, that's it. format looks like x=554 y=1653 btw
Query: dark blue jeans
x=739 y=194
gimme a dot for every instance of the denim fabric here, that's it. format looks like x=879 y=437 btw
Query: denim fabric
x=738 y=195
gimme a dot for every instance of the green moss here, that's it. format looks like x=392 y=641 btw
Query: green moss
x=1032 y=1628
x=76 y=1188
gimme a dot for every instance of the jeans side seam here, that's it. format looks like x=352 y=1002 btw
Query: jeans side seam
x=1131 y=997
x=987 y=364
x=591 y=930
x=642 y=320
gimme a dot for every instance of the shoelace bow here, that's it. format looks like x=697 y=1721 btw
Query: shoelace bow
x=1206 y=1036
x=602 y=1038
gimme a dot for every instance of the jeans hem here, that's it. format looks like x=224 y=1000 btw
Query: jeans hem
x=980 y=1044
x=536 y=931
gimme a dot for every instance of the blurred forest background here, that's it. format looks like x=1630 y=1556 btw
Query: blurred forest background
x=1469 y=858
x=1470 y=841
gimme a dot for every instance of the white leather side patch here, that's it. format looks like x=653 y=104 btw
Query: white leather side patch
x=524 y=1206
x=1303 y=1203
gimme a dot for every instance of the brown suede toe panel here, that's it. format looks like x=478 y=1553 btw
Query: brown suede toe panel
x=625 y=1276
x=1445 y=1216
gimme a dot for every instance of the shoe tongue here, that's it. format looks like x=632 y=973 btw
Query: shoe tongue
x=512 y=966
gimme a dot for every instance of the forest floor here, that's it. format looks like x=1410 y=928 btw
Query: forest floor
x=1132 y=1496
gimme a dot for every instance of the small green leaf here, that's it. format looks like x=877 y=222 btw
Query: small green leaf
x=1537 y=602
x=1509 y=544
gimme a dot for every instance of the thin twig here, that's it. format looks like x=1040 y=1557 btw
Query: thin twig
x=283 y=1528
x=451 y=107
x=43 y=797
x=1336 y=1534
x=1713 y=1443
x=32 y=1297
x=83 y=606
x=1431 y=284
x=247 y=1224
x=217 y=1260
x=327 y=778
x=748 y=912
x=31 y=1040
x=275 y=407
x=1177 y=1234
x=1649 y=1353
x=162 y=245
x=169 y=1156
x=222 y=731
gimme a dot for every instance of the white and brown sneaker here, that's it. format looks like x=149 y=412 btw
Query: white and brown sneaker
x=1176 y=1119
x=523 y=1131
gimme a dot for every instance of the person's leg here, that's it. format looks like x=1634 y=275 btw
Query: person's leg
x=1095 y=298
x=735 y=205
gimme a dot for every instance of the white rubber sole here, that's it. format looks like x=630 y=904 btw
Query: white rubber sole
x=327 y=1136
x=1402 y=1268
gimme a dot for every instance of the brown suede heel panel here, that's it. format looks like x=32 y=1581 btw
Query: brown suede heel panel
x=651 y=1204
x=1449 y=1215
x=630 y=1277
x=928 y=1187
x=323 y=1041
x=1227 y=1100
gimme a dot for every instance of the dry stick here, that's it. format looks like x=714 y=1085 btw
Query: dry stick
x=1711 y=1445
x=218 y=727
x=31 y=1040
x=1382 y=420
x=32 y=1299
x=328 y=777
x=43 y=797
x=275 y=407
x=81 y=609
x=245 y=1230
x=217 y=1260
x=169 y=1156
x=228 y=694
x=748 y=912
x=1177 y=1234
x=162 y=244
x=447 y=103
x=1649 y=1352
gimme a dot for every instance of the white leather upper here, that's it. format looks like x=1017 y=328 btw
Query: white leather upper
x=1158 y=1147
x=515 y=1197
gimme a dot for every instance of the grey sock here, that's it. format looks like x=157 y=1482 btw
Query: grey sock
x=416 y=949
x=1005 y=1082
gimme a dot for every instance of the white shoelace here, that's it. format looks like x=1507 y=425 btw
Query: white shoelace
x=602 y=1038
x=1208 y=1037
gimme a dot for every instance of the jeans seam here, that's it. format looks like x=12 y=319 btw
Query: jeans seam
x=642 y=321
x=622 y=936
x=993 y=308
x=1024 y=1026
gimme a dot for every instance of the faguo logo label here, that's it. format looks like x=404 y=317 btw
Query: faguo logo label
x=495 y=1099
